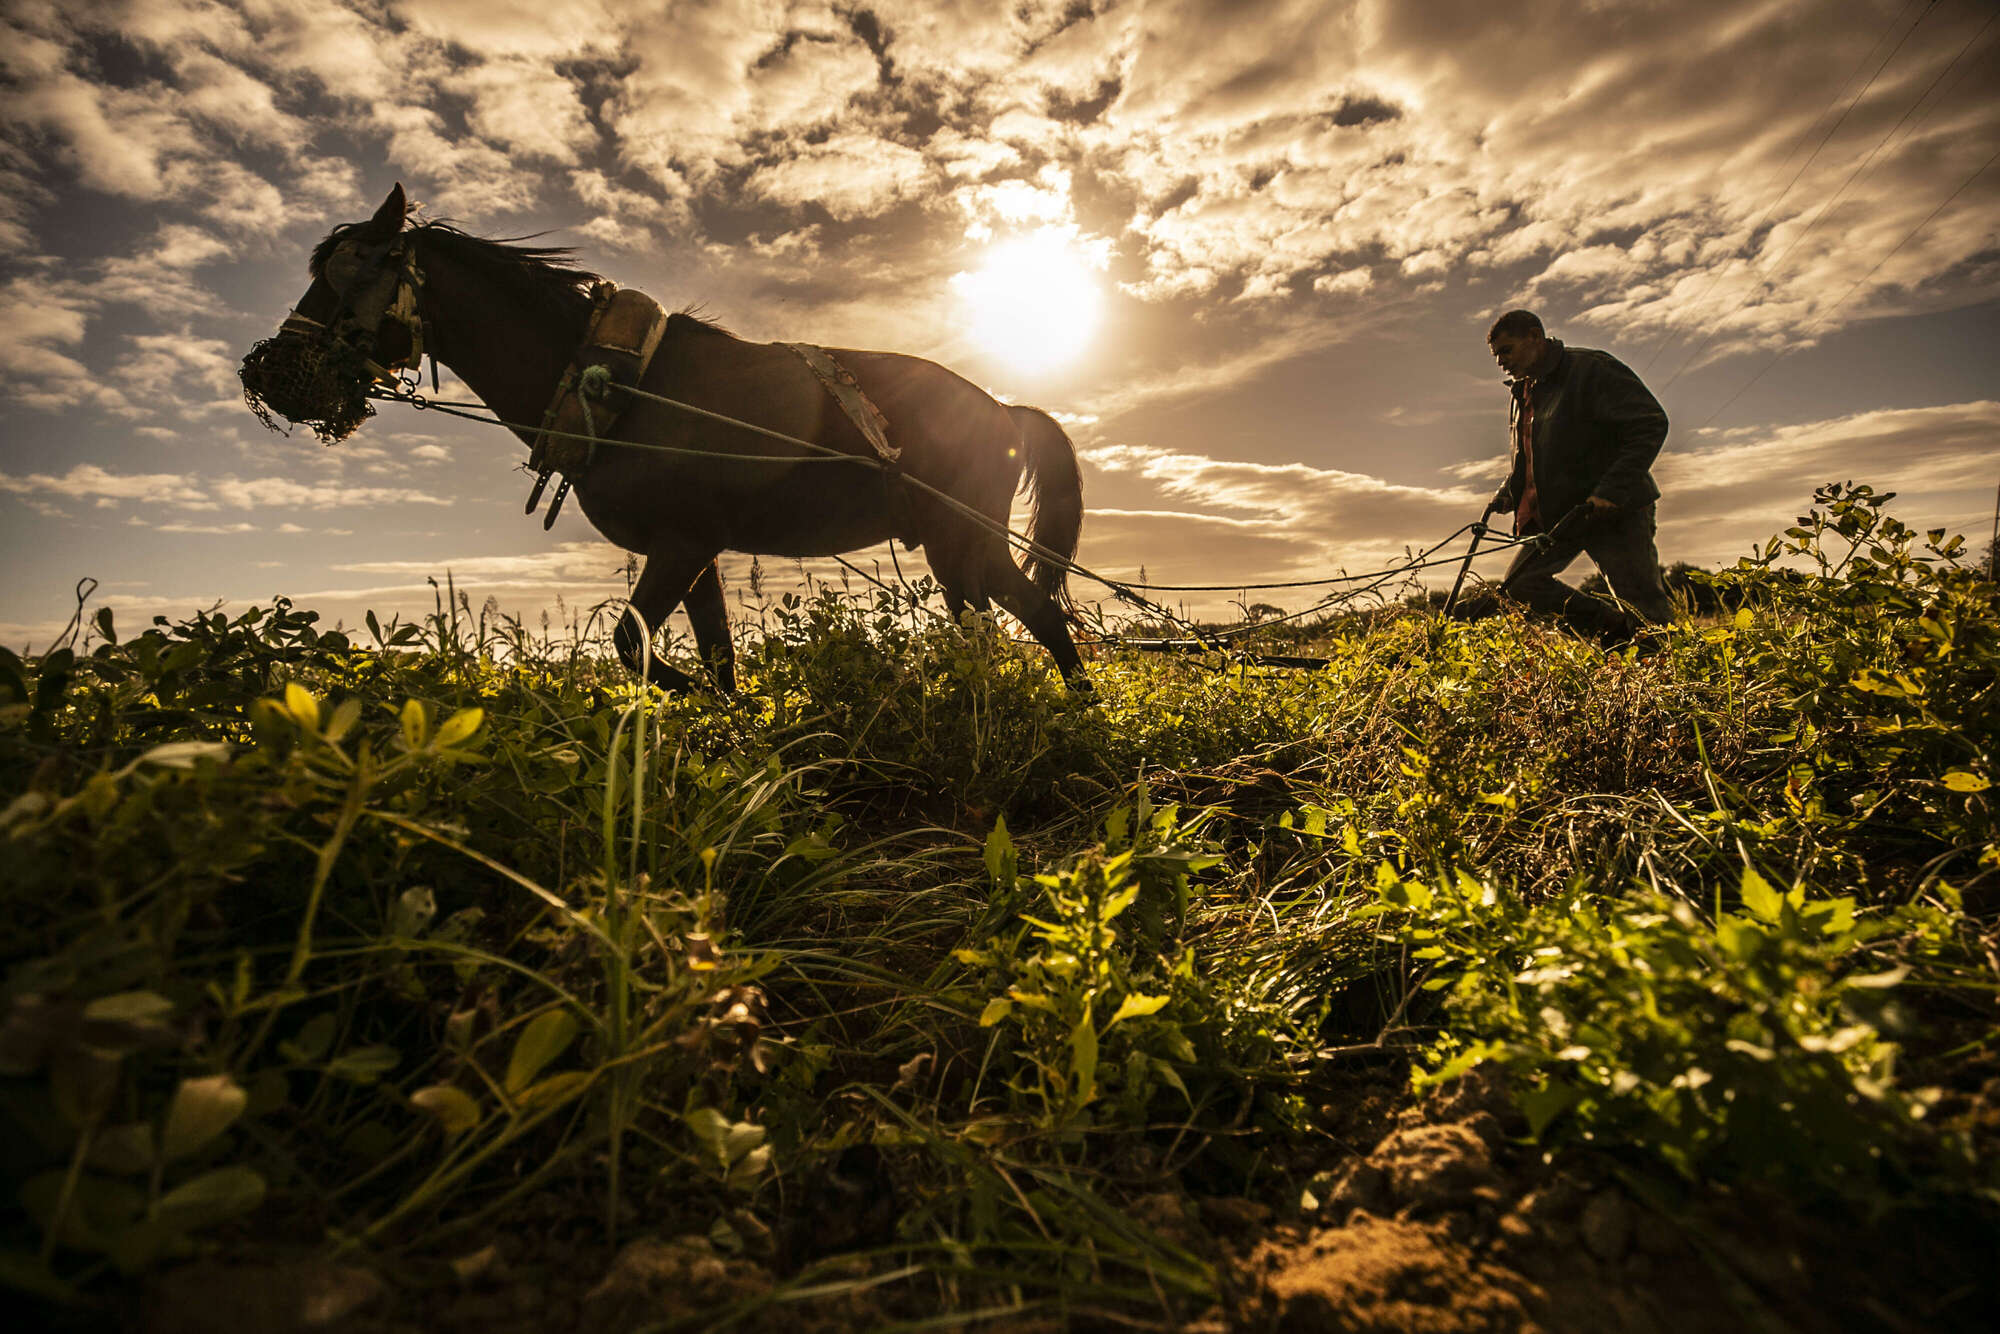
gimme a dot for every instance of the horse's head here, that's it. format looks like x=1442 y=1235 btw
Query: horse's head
x=354 y=326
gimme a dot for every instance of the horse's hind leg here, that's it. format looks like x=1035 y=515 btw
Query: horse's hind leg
x=708 y=613
x=1039 y=612
x=960 y=574
x=668 y=577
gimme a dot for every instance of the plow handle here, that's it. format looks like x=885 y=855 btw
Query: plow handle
x=1478 y=532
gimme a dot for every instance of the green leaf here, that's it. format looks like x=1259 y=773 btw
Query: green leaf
x=413 y=911
x=126 y=1149
x=345 y=716
x=452 y=1106
x=313 y=1041
x=1083 y=1058
x=83 y=1081
x=709 y=1126
x=1964 y=780
x=541 y=1041
x=1738 y=938
x=1458 y=1064
x=129 y=1007
x=185 y=754
x=301 y=705
x=745 y=1172
x=201 y=1110
x=1000 y=857
x=460 y=726
x=1117 y=902
x=416 y=720
x=996 y=1009
x=1758 y=896
x=557 y=1088
x=739 y=1139
x=213 y=1197
x=364 y=1065
x=97 y=1207
x=1135 y=1006
x=1543 y=1105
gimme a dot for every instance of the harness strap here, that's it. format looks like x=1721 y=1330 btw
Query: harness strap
x=618 y=345
x=852 y=398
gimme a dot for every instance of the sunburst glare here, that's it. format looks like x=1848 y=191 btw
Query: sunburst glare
x=1034 y=302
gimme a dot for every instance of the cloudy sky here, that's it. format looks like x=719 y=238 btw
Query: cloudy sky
x=1248 y=251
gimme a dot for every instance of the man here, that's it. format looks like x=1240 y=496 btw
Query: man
x=1585 y=434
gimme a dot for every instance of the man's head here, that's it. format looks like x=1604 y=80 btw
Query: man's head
x=1517 y=342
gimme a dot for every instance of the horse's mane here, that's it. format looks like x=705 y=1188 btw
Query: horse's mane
x=543 y=274
x=693 y=315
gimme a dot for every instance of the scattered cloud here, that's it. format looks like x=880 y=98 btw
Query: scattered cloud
x=87 y=481
x=1730 y=478
x=1251 y=177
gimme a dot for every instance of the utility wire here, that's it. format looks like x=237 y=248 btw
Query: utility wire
x=1715 y=326
x=1673 y=336
x=1827 y=204
x=1807 y=331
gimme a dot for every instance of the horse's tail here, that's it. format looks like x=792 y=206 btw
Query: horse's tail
x=1054 y=484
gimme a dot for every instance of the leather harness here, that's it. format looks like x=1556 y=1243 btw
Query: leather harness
x=624 y=332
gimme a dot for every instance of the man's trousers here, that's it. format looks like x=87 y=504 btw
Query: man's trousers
x=1621 y=544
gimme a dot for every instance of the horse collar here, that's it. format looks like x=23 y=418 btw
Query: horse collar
x=618 y=345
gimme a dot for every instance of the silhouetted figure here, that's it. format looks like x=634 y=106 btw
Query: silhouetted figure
x=1585 y=433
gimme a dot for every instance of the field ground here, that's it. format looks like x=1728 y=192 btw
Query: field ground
x=437 y=977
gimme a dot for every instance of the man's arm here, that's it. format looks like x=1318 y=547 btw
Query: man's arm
x=1634 y=426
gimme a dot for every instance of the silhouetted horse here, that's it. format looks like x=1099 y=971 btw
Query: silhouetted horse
x=510 y=318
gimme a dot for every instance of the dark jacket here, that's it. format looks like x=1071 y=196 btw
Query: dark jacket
x=1597 y=432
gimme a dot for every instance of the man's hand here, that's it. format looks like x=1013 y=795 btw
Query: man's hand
x=1502 y=502
x=1599 y=506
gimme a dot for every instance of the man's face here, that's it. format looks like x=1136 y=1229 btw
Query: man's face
x=1518 y=353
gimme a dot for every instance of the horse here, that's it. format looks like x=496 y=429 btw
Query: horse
x=677 y=488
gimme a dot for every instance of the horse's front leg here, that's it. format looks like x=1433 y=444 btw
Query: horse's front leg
x=668 y=577
x=709 y=615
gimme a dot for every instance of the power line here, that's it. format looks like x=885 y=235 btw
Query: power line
x=1827 y=204
x=1715 y=326
x=1807 y=331
x=1673 y=336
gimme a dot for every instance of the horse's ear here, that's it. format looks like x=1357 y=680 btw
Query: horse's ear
x=388 y=219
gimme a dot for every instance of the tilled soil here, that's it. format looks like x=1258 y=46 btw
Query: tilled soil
x=1431 y=1216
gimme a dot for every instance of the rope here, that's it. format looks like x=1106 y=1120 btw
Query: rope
x=821 y=454
x=826 y=454
x=1419 y=563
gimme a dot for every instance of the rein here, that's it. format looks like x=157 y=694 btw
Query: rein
x=635 y=344
x=404 y=308
x=818 y=453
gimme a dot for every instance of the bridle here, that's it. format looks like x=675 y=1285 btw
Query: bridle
x=356 y=333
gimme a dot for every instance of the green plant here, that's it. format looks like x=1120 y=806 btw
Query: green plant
x=1755 y=1043
x=1089 y=1005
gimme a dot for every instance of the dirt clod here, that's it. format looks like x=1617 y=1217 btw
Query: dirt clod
x=1434 y=1167
x=293 y=1298
x=1392 y=1276
x=1606 y=1226
x=652 y=1280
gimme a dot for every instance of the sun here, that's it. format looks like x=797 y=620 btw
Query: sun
x=1034 y=302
